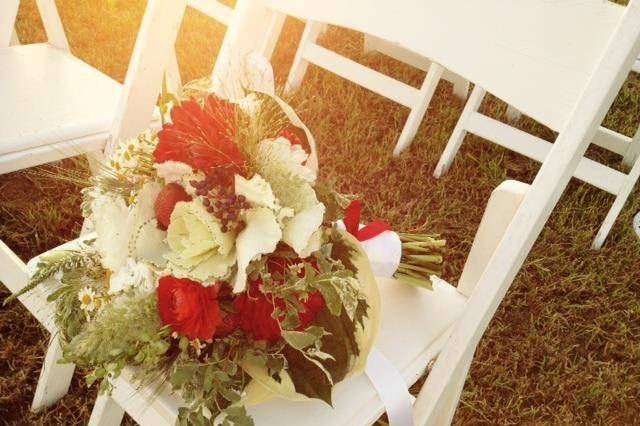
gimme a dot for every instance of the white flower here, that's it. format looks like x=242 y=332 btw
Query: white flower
x=299 y=230
x=132 y=275
x=173 y=171
x=286 y=158
x=258 y=193
x=87 y=298
x=131 y=231
x=260 y=236
x=199 y=248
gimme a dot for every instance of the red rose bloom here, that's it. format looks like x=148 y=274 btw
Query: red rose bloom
x=201 y=136
x=188 y=307
x=255 y=309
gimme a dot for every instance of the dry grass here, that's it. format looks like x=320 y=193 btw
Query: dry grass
x=564 y=347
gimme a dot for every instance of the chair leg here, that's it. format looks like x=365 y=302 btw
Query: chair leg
x=459 y=132
x=106 y=412
x=55 y=378
x=276 y=22
x=300 y=64
x=371 y=44
x=617 y=206
x=173 y=74
x=461 y=87
x=633 y=152
x=418 y=111
x=513 y=114
x=15 y=40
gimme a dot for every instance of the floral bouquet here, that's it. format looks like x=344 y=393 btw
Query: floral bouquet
x=216 y=264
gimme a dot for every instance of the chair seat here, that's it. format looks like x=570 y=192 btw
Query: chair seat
x=49 y=96
x=415 y=325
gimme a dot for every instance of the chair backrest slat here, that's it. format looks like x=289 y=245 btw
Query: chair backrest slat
x=8 y=13
x=52 y=24
x=535 y=55
x=150 y=60
x=214 y=9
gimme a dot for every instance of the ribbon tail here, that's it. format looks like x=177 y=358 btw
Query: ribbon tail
x=352 y=217
x=373 y=229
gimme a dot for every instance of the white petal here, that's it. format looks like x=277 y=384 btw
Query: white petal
x=172 y=171
x=302 y=226
x=109 y=219
x=256 y=190
x=261 y=236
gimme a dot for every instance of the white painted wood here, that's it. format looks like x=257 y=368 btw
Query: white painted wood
x=15 y=40
x=618 y=204
x=632 y=152
x=419 y=110
x=594 y=173
x=106 y=412
x=370 y=79
x=459 y=132
x=8 y=13
x=152 y=55
x=589 y=171
x=513 y=114
x=253 y=29
x=52 y=24
x=213 y=8
x=56 y=106
x=172 y=75
x=376 y=44
x=54 y=97
x=537 y=62
x=55 y=378
x=612 y=141
x=502 y=206
x=300 y=63
x=546 y=189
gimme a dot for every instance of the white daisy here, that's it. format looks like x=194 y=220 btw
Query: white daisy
x=87 y=298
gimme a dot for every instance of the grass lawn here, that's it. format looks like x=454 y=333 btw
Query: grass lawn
x=564 y=347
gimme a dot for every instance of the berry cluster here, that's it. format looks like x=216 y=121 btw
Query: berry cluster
x=217 y=192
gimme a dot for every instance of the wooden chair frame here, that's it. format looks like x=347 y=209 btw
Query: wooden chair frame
x=137 y=102
x=417 y=100
x=615 y=182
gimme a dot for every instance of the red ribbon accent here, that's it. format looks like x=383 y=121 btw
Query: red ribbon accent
x=352 y=223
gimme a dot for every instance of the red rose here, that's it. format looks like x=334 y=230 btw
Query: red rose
x=188 y=307
x=201 y=136
x=255 y=309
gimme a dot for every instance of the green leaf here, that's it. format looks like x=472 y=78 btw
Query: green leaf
x=308 y=378
x=302 y=339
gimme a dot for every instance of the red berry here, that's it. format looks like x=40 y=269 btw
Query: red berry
x=167 y=199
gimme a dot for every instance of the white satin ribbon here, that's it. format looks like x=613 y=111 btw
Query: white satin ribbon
x=384 y=252
x=391 y=388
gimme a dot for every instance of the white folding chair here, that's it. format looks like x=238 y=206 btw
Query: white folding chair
x=56 y=106
x=404 y=345
x=576 y=68
x=475 y=40
x=417 y=100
